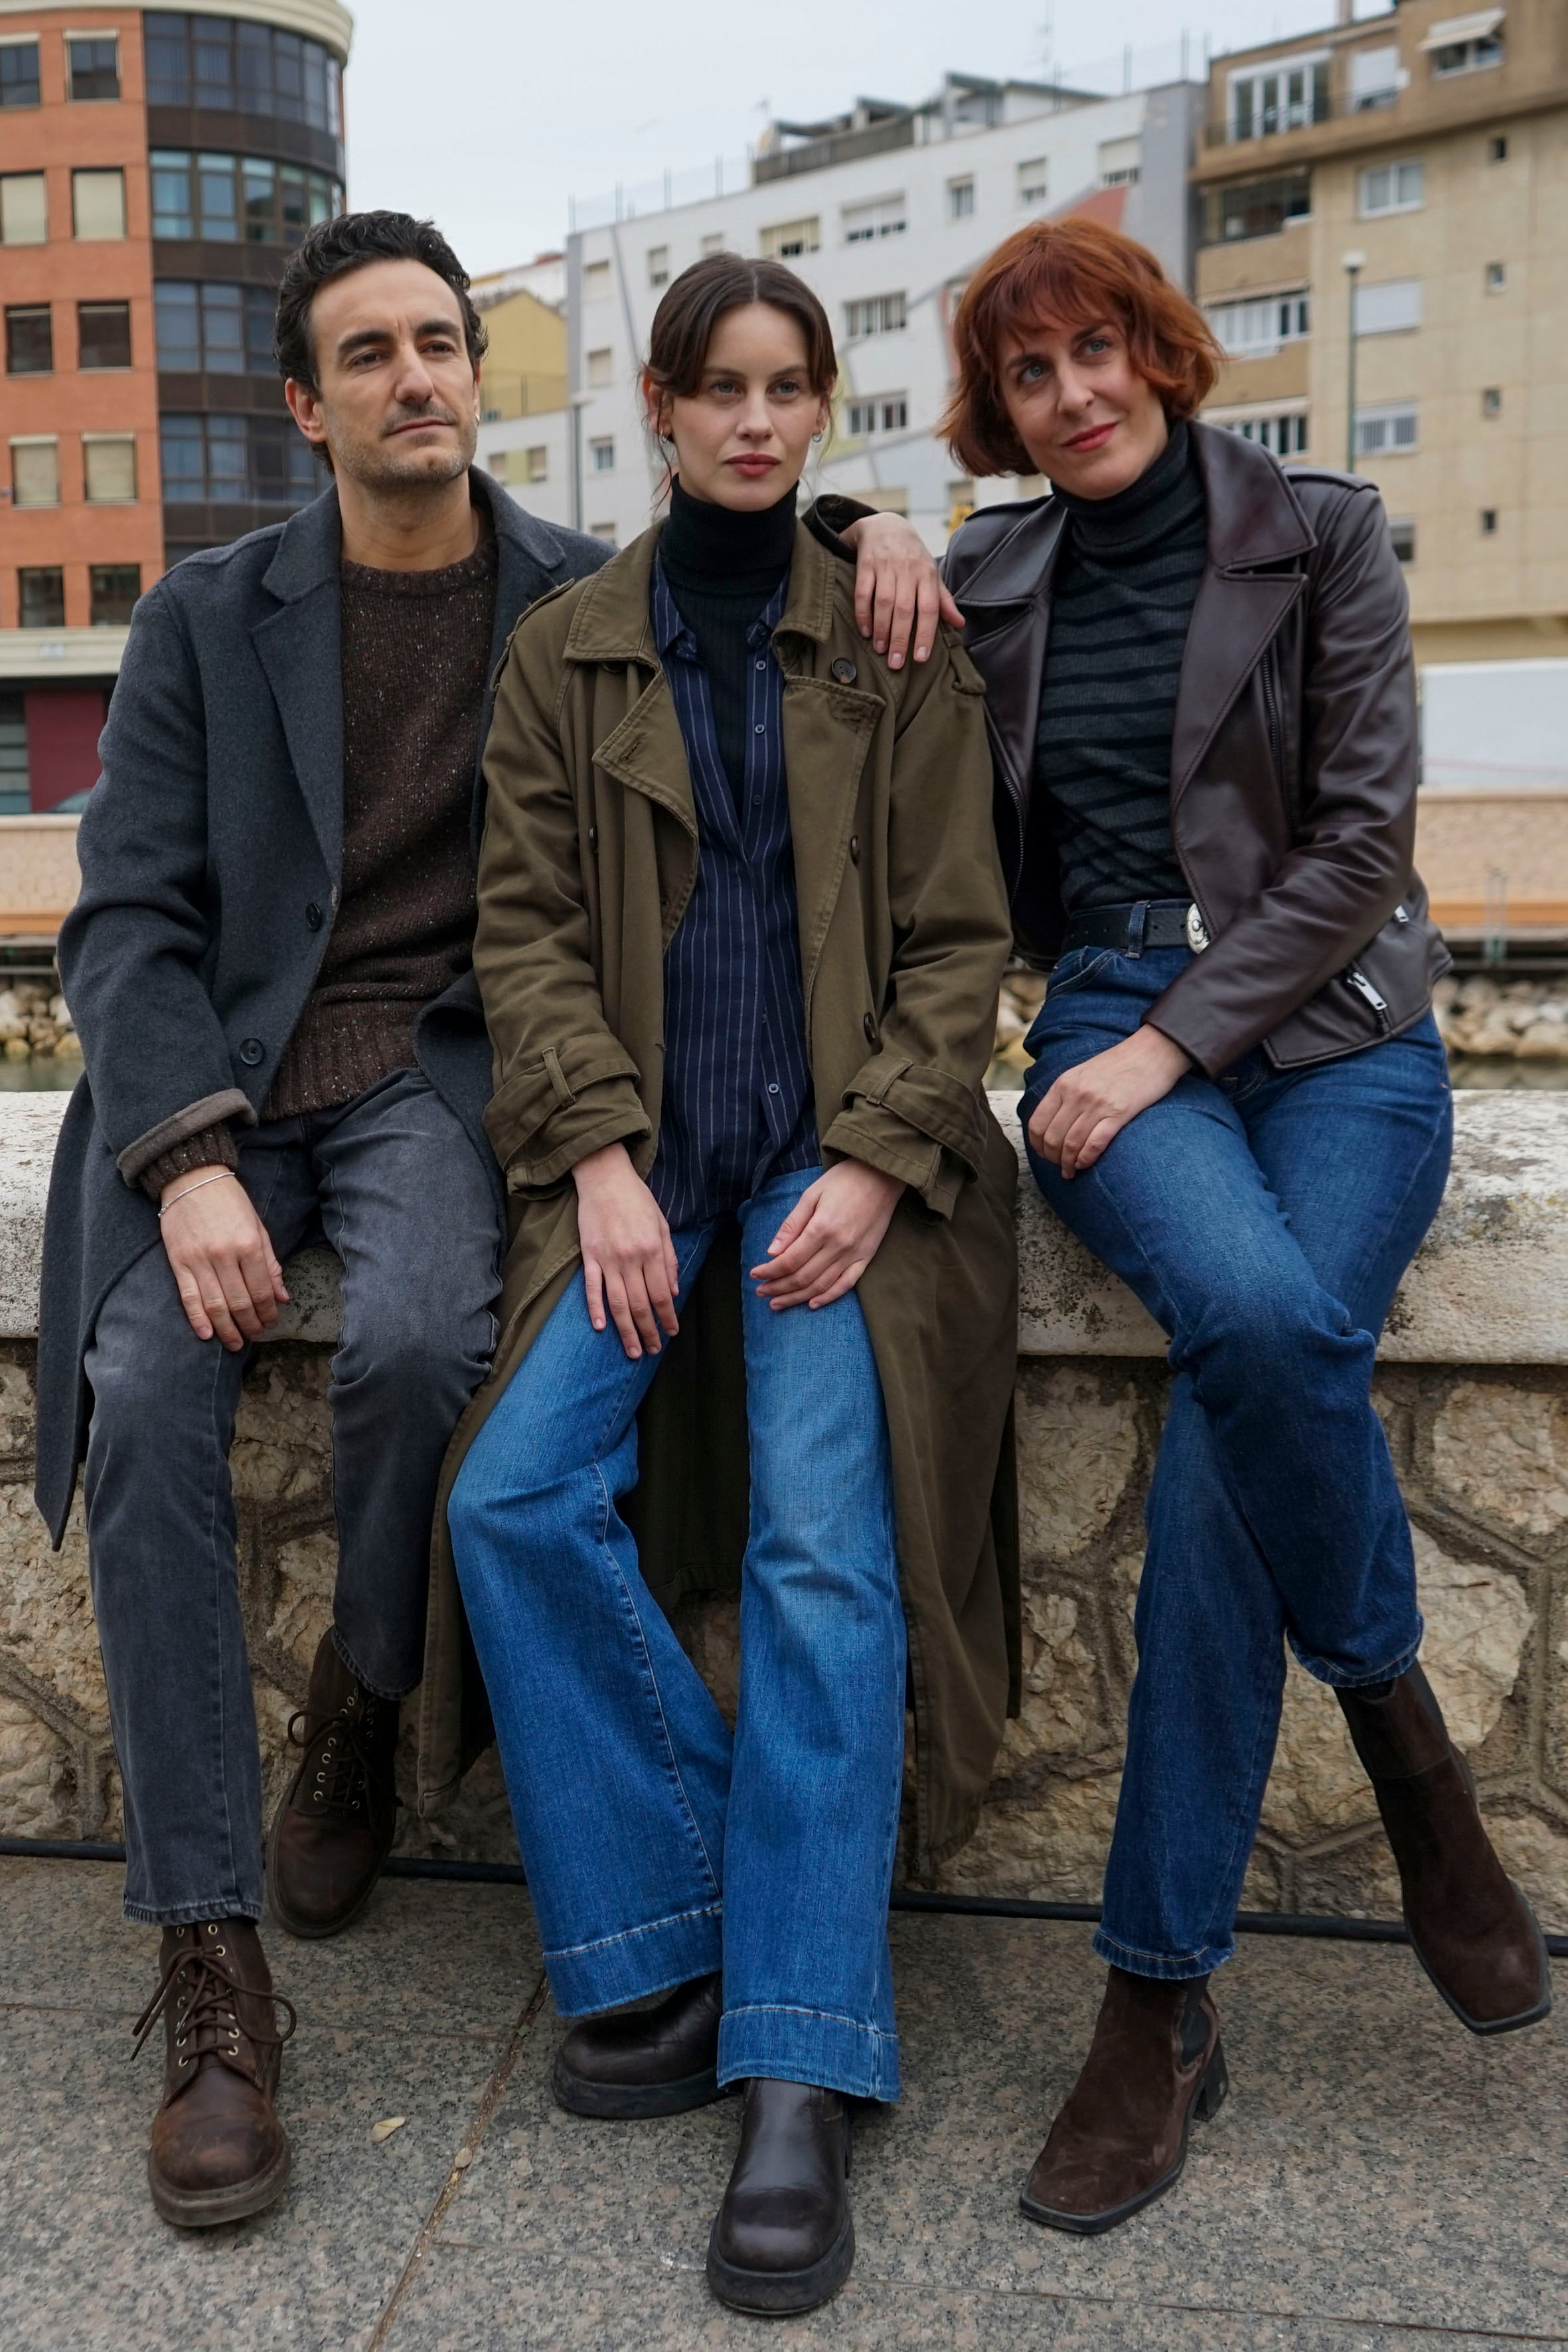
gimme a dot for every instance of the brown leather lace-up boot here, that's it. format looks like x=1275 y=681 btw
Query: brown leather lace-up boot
x=1121 y=2140
x=1471 y=1928
x=335 y=1825
x=218 y=2150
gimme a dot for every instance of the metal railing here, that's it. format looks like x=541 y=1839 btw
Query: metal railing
x=1278 y=122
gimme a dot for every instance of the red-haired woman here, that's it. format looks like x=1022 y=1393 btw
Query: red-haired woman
x=1202 y=724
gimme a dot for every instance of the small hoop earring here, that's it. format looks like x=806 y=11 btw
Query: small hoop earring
x=819 y=432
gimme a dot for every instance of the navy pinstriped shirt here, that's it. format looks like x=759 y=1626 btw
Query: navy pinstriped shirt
x=738 y=1104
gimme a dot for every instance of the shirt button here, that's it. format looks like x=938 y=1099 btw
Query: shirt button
x=759 y=731
x=252 y=1052
x=762 y=665
x=772 y=1089
x=313 y=915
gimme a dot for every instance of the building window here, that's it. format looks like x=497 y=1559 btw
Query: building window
x=1391 y=431
x=1492 y=401
x=1374 y=78
x=596 y=281
x=98 y=206
x=1255 y=329
x=888 y=412
x=114 y=590
x=658 y=264
x=1472 y=54
x=231 y=199
x=36 y=471
x=1392 y=308
x=498 y=463
x=18 y=73
x=23 y=212
x=1497 y=277
x=1488 y=522
x=787 y=240
x=109 y=468
x=1034 y=182
x=875 y=314
x=960 y=200
x=231 y=68
x=1282 y=432
x=536 y=465
x=94 y=66
x=1258 y=207
x=1282 y=97
x=1391 y=188
x=713 y=242
x=602 y=455
x=43 y=596
x=863 y=224
x=30 y=339
x=103 y=334
x=1119 y=163
x=601 y=369
x=1496 y=147
x=214 y=329
x=1402 y=539
x=235 y=460
x=14 y=792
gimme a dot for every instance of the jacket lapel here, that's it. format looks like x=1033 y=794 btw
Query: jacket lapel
x=299 y=648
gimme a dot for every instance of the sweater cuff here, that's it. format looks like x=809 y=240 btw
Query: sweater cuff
x=213 y=1146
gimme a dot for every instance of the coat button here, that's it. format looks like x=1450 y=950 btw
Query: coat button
x=252 y=1052
x=313 y=915
x=844 y=671
x=854 y=848
x=869 y=1026
x=594 y=839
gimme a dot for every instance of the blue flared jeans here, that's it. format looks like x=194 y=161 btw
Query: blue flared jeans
x=1265 y=1220
x=658 y=1848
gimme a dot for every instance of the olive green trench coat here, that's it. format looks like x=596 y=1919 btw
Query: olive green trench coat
x=590 y=857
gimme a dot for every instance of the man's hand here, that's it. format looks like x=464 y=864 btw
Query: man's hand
x=829 y=1237
x=1088 y=1106
x=898 y=594
x=231 y=1285
x=628 y=1259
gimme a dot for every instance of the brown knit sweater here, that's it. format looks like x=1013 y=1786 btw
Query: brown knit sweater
x=415 y=649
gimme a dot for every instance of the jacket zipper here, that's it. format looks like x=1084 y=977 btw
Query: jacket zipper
x=1353 y=977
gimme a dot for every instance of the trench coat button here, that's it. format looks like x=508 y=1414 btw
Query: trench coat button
x=594 y=839
x=854 y=848
x=869 y=1026
x=313 y=915
x=844 y=671
x=252 y=1052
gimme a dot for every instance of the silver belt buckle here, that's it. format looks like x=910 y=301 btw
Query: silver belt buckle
x=1197 y=930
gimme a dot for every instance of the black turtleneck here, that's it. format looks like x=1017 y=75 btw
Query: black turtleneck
x=722 y=567
x=1099 y=818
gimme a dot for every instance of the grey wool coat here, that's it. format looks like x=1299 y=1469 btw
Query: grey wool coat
x=211 y=860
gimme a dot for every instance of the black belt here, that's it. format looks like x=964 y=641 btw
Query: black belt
x=1150 y=923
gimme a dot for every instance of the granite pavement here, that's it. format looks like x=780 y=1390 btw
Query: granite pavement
x=1378 y=2179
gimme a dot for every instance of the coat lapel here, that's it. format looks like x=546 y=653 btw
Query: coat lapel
x=299 y=648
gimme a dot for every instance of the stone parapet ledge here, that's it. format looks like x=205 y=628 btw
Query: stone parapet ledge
x=1489 y=1286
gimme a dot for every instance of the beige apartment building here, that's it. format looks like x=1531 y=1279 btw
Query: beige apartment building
x=1408 y=170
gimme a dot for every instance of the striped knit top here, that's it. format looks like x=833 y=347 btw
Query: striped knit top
x=1122 y=598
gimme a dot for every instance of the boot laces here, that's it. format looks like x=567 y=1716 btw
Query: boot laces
x=204 y=1992
x=343 y=1766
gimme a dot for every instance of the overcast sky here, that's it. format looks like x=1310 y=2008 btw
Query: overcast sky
x=489 y=114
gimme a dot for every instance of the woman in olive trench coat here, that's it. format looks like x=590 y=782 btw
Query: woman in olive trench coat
x=900 y=982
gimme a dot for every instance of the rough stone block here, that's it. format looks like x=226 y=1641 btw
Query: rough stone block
x=1500 y=1454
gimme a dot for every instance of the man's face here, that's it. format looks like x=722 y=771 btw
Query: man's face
x=399 y=400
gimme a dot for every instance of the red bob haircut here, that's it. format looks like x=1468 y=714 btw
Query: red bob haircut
x=1069 y=273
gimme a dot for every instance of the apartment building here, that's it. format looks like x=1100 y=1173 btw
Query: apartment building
x=156 y=166
x=885 y=211
x=1383 y=253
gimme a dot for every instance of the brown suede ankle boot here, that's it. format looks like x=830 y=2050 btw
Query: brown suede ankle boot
x=218 y=2150
x=1121 y=2140
x=1470 y=1926
x=335 y=1825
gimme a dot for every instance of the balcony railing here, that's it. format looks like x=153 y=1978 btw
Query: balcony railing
x=1275 y=122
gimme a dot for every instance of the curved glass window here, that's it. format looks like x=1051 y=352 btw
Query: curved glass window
x=235 y=460
x=216 y=62
x=238 y=199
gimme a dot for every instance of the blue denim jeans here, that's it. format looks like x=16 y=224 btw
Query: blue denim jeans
x=1265 y=1220
x=656 y=1848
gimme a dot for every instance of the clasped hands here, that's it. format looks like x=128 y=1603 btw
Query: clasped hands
x=630 y=1268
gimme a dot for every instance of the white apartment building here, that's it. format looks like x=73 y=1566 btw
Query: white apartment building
x=886 y=212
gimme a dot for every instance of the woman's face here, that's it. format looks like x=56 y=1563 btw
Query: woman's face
x=1091 y=422
x=741 y=440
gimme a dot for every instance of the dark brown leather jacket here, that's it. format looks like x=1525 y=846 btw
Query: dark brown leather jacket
x=1293 y=762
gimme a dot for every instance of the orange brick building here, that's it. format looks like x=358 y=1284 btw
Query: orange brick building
x=156 y=166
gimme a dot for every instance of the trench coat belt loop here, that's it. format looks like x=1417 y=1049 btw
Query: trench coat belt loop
x=552 y=1071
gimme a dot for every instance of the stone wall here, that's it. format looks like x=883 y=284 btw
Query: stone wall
x=1472 y=1384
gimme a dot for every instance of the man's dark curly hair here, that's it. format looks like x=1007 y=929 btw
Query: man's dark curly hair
x=332 y=249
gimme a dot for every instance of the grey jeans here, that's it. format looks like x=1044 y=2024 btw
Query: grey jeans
x=394 y=1183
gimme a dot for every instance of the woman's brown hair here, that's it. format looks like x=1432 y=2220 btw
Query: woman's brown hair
x=684 y=321
x=1071 y=273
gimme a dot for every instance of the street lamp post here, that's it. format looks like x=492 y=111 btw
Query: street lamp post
x=1353 y=264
